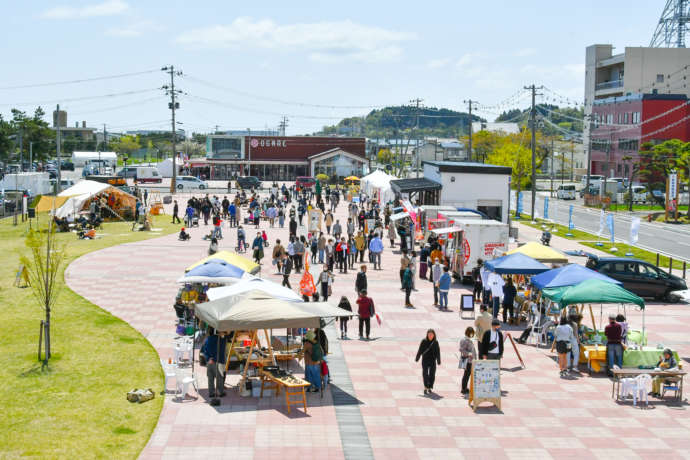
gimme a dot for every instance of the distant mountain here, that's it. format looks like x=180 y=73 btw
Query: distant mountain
x=401 y=120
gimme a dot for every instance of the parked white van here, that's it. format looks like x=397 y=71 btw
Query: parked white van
x=148 y=174
x=566 y=192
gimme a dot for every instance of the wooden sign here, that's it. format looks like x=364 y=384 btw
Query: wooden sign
x=369 y=225
x=467 y=305
x=314 y=220
x=486 y=383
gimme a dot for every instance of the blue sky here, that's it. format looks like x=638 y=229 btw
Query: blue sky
x=249 y=63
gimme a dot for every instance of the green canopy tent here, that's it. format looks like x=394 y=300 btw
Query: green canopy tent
x=594 y=291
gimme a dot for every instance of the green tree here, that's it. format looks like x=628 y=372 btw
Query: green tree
x=125 y=145
x=43 y=264
x=384 y=156
x=657 y=161
x=518 y=157
x=6 y=144
x=35 y=133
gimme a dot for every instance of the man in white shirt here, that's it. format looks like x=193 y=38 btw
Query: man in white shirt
x=495 y=282
x=491 y=346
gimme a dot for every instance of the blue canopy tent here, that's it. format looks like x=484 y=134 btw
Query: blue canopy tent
x=568 y=275
x=516 y=264
x=214 y=271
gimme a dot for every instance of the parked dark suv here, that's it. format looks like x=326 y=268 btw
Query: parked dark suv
x=248 y=182
x=639 y=277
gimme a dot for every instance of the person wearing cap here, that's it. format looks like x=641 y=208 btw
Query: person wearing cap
x=614 y=347
x=491 y=346
x=666 y=361
x=313 y=355
x=184 y=236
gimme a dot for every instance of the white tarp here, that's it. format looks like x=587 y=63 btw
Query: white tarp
x=82 y=187
x=400 y=215
x=377 y=185
x=258 y=284
x=71 y=207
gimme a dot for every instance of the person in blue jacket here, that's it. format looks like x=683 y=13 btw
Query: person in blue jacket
x=444 y=287
x=214 y=350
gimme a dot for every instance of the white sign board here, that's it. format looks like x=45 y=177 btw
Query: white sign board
x=672 y=186
x=487 y=379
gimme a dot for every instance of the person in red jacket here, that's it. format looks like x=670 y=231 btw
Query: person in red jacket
x=365 y=311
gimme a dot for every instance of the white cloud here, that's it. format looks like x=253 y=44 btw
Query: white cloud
x=438 y=63
x=525 y=52
x=106 y=8
x=134 y=29
x=471 y=65
x=325 y=41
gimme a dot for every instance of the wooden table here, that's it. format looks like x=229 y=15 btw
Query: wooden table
x=294 y=388
x=634 y=372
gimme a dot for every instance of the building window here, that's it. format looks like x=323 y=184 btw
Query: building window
x=630 y=145
x=636 y=118
x=600 y=145
x=660 y=78
x=609 y=119
x=625 y=118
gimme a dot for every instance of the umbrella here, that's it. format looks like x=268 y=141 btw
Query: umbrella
x=569 y=275
x=214 y=271
x=516 y=264
x=352 y=178
x=230 y=258
x=541 y=253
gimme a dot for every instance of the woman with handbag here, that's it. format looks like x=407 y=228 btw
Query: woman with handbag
x=467 y=355
x=430 y=353
x=563 y=335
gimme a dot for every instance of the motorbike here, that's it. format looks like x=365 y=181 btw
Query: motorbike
x=546 y=238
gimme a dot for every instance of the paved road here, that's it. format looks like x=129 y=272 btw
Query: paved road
x=666 y=238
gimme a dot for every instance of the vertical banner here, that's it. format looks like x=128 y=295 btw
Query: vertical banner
x=672 y=186
x=571 y=224
x=519 y=205
x=634 y=230
x=609 y=222
x=546 y=207
x=602 y=219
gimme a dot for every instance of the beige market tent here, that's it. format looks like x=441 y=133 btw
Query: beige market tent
x=259 y=310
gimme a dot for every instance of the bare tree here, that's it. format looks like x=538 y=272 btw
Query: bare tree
x=43 y=265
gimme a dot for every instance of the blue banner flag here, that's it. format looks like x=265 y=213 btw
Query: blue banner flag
x=609 y=221
x=571 y=225
x=519 y=204
x=546 y=207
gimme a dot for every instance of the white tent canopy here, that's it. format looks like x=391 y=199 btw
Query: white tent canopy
x=254 y=284
x=82 y=187
x=377 y=186
x=258 y=310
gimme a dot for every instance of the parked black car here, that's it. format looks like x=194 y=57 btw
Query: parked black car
x=248 y=182
x=67 y=166
x=639 y=277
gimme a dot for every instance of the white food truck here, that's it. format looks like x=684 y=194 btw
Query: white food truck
x=481 y=239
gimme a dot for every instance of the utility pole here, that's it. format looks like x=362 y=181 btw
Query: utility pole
x=21 y=150
x=533 y=124
x=553 y=156
x=215 y=131
x=572 y=160
x=249 y=147
x=173 y=105
x=469 y=126
x=283 y=124
x=31 y=156
x=57 y=150
x=589 y=151
x=417 y=102
x=105 y=139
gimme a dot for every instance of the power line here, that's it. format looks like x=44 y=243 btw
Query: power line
x=85 y=98
x=280 y=101
x=83 y=80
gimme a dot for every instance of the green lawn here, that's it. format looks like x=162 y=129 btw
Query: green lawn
x=77 y=408
x=590 y=240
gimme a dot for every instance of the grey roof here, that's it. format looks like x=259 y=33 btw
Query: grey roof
x=414 y=185
x=452 y=145
x=469 y=167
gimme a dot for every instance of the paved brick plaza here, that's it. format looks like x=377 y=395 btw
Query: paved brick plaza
x=542 y=415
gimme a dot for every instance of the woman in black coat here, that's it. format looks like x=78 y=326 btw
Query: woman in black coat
x=345 y=305
x=430 y=353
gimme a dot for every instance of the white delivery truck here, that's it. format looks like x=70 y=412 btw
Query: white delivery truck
x=481 y=240
x=35 y=183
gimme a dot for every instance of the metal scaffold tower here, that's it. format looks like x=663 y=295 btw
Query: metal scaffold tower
x=672 y=26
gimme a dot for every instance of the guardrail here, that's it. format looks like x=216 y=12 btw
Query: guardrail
x=610 y=84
